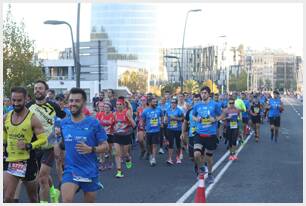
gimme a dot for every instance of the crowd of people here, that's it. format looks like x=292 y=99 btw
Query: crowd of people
x=58 y=129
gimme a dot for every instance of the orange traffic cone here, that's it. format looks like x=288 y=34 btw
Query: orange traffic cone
x=200 y=194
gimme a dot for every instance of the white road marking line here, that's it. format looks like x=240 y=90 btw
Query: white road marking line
x=187 y=194
x=221 y=173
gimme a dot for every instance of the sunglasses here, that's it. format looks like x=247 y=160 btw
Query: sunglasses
x=231 y=102
x=173 y=102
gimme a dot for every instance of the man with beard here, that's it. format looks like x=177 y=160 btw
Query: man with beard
x=152 y=118
x=83 y=137
x=19 y=127
x=46 y=112
x=206 y=115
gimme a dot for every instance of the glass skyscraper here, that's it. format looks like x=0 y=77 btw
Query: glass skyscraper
x=129 y=28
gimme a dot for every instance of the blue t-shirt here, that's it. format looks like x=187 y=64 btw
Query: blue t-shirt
x=274 y=110
x=174 y=124
x=219 y=105
x=224 y=103
x=89 y=131
x=152 y=118
x=205 y=111
x=247 y=106
x=162 y=107
x=192 y=123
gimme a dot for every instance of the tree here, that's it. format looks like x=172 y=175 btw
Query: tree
x=171 y=87
x=18 y=51
x=136 y=81
x=191 y=86
x=238 y=83
x=213 y=87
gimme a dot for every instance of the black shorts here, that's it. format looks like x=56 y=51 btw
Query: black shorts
x=256 y=119
x=275 y=121
x=110 y=138
x=174 y=135
x=232 y=135
x=45 y=156
x=202 y=143
x=123 y=139
x=245 y=120
x=32 y=168
x=153 y=138
x=190 y=146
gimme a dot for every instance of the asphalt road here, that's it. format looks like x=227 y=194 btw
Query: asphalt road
x=265 y=172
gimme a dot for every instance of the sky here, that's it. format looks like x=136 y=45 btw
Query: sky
x=257 y=25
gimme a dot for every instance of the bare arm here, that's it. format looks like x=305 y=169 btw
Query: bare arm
x=128 y=115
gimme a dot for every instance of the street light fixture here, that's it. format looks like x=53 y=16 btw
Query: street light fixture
x=180 y=70
x=182 y=57
x=75 y=51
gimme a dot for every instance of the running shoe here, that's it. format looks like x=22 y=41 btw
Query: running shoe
x=153 y=162
x=231 y=157
x=54 y=195
x=119 y=174
x=235 y=157
x=161 y=151
x=169 y=162
x=256 y=140
x=178 y=161
x=210 y=179
x=128 y=164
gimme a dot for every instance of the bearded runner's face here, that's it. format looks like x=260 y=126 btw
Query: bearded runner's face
x=18 y=101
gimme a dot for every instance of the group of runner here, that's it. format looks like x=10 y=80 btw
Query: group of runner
x=59 y=129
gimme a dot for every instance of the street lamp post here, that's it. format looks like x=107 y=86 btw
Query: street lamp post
x=76 y=56
x=226 y=67
x=182 y=57
x=180 y=77
x=56 y=22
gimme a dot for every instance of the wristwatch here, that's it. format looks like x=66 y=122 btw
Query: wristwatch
x=93 y=149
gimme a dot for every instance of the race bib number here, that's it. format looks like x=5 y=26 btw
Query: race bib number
x=233 y=125
x=17 y=169
x=193 y=129
x=154 y=122
x=256 y=110
x=173 y=124
x=206 y=121
x=81 y=179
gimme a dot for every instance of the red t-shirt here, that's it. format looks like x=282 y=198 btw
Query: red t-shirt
x=107 y=121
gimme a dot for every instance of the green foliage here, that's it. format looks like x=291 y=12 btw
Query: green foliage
x=191 y=86
x=171 y=87
x=18 y=52
x=135 y=81
x=238 y=83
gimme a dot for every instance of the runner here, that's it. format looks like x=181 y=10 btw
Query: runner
x=174 y=117
x=190 y=125
x=46 y=112
x=245 y=116
x=275 y=107
x=123 y=130
x=58 y=153
x=19 y=127
x=162 y=107
x=107 y=121
x=206 y=114
x=83 y=137
x=255 y=116
x=232 y=130
x=152 y=118
x=140 y=127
